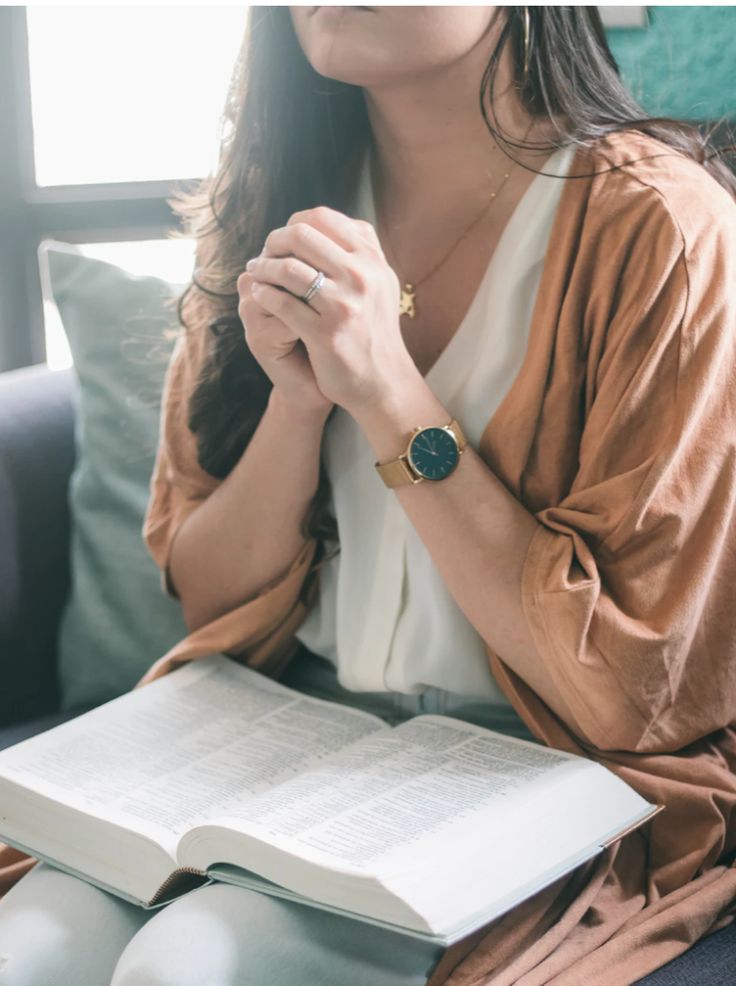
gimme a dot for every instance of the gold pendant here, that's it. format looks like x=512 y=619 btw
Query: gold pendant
x=406 y=304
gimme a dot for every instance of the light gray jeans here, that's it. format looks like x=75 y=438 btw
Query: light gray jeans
x=58 y=930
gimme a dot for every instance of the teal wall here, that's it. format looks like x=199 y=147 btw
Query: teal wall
x=683 y=64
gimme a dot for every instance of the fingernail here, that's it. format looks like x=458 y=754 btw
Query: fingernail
x=250 y=265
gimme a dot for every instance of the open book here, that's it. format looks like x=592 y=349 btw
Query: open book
x=215 y=771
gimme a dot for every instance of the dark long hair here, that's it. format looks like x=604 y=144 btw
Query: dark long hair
x=292 y=139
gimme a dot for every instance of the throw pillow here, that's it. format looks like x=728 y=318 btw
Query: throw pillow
x=121 y=330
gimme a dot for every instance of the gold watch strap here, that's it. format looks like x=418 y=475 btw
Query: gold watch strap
x=398 y=472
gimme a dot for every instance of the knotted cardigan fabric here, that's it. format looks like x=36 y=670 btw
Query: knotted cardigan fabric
x=619 y=435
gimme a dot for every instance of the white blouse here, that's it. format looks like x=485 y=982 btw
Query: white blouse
x=384 y=616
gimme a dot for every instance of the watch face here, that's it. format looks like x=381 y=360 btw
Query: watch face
x=434 y=453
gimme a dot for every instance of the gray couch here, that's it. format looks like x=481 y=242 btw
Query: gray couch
x=36 y=460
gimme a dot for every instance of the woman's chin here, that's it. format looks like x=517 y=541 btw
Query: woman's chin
x=347 y=63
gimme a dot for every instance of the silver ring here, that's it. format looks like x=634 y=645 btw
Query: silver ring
x=314 y=286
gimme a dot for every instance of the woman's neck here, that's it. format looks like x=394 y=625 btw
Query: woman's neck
x=433 y=157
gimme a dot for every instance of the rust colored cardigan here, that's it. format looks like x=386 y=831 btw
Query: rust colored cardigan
x=619 y=435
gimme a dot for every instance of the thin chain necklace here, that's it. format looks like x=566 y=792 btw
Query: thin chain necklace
x=407 y=302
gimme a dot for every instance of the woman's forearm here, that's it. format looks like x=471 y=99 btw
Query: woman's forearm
x=247 y=532
x=476 y=532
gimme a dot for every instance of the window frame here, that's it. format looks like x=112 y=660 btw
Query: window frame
x=29 y=214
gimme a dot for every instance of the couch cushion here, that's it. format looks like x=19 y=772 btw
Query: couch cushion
x=36 y=460
x=121 y=330
x=710 y=962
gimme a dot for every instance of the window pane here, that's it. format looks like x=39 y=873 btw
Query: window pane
x=171 y=260
x=129 y=93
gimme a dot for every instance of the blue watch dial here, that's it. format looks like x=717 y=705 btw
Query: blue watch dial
x=433 y=453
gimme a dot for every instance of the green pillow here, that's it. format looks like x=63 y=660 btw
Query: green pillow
x=121 y=330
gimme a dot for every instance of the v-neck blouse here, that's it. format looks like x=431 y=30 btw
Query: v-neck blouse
x=383 y=615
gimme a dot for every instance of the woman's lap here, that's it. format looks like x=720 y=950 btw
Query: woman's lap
x=58 y=930
x=223 y=935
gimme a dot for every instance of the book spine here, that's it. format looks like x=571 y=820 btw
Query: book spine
x=180 y=881
x=632 y=827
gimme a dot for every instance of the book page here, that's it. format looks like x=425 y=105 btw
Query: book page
x=374 y=801
x=392 y=788
x=184 y=747
x=438 y=825
x=452 y=820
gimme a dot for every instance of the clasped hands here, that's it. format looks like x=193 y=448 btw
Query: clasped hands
x=344 y=346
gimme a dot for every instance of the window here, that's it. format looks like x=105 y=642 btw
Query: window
x=128 y=94
x=110 y=110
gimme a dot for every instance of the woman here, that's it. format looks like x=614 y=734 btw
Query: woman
x=555 y=560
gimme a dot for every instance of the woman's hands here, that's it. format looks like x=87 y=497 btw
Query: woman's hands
x=349 y=328
x=281 y=354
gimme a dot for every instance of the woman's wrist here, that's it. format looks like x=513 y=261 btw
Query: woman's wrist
x=298 y=415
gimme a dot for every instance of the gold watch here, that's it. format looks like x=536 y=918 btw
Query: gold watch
x=432 y=453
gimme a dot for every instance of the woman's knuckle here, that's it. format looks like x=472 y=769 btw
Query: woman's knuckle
x=292 y=267
x=303 y=233
x=346 y=308
x=358 y=279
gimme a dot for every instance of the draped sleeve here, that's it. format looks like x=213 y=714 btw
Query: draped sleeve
x=178 y=484
x=255 y=629
x=628 y=582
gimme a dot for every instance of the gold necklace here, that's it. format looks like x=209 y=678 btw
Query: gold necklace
x=407 y=302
